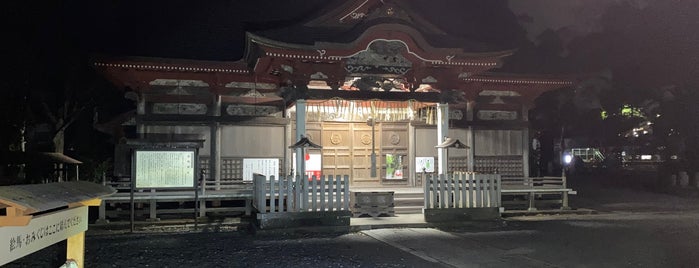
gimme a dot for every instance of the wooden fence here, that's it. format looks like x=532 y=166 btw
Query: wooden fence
x=297 y=194
x=462 y=190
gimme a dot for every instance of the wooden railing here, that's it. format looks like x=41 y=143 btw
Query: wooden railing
x=296 y=194
x=227 y=190
x=536 y=186
x=462 y=190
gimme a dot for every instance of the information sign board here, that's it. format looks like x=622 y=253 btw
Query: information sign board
x=42 y=231
x=165 y=169
x=264 y=166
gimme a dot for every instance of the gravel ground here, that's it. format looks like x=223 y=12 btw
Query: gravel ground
x=229 y=249
x=635 y=227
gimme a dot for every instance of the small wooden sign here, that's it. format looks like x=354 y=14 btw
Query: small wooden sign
x=425 y=164
x=42 y=231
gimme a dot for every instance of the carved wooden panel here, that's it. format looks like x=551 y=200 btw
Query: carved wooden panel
x=361 y=152
x=394 y=136
x=337 y=143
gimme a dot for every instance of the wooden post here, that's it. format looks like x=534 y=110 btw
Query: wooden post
x=448 y=179
x=565 y=194
x=282 y=190
x=76 y=249
x=290 y=193
x=427 y=184
x=215 y=137
x=330 y=193
x=260 y=193
x=442 y=190
x=532 y=196
x=472 y=191
x=300 y=131
x=314 y=197
x=298 y=192
x=435 y=191
x=479 y=191
x=322 y=192
x=491 y=190
x=338 y=204
x=152 y=206
x=272 y=196
x=102 y=213
x=499 y=191
x=442 y=132
x=305 y=193
x=526 y=144
x=464 y=185
x=346 y=199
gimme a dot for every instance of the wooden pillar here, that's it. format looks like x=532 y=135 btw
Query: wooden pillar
x=442 y=132
x=470 y=104
x=526 y=143
x=411 y=156
x=76 y=249
x=525 y=154
x=215 y=136
x=469 y=110
x=141 y=110
x=288 y=162
x=300 y=131
x=471 y=149
x=214 y=152
x=152 y=207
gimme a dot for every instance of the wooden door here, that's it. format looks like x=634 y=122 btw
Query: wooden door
x=337 y=149
x=394 y=141
x=347 y=149
x=361 y=155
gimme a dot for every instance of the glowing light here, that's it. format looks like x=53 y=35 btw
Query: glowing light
x=567 y=159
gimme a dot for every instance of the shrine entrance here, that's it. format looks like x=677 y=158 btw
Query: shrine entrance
x=349 y=140
x=347 y=149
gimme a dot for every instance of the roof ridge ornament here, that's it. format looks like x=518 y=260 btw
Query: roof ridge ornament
x=355 y=13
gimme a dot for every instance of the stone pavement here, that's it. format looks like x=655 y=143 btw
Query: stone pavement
x=450 y=250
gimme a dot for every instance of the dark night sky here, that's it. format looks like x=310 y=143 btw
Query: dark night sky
x=634 y=39
x=211 y=31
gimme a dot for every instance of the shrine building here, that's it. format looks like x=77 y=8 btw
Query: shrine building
x=373 y=82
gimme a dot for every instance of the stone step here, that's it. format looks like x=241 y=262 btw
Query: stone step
x=409 y=195
x=408 y=201
x=408 y=209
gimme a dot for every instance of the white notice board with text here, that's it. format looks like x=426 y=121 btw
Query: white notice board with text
x=264 y=166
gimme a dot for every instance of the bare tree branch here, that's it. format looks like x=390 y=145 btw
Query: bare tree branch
x=48 y=113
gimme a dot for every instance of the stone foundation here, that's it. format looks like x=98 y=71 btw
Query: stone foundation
x=461 y=214
x=286 y=220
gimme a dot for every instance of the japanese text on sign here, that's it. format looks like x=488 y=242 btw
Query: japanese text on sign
x=42 y=231
x=264 y=166
x=165 y=169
